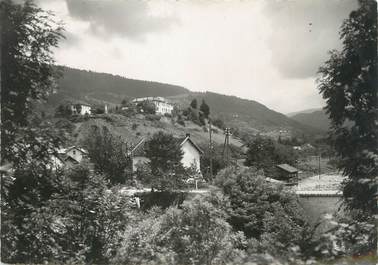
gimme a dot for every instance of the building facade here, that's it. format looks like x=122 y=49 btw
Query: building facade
x=161 y=104
x=81 y=109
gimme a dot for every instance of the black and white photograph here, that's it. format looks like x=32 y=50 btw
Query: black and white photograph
x=189 y=132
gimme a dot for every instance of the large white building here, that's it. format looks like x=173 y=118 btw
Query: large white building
x=81 y=109
x=161 y=104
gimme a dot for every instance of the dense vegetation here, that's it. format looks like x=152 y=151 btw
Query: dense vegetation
x=76 y=215
x=79 y=83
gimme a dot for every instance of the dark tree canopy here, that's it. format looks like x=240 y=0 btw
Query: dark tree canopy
x=109 y=154
x=28 y=35
x=205 y=109
x=194 y=104
x=165 y=156
x=264 y=153
x=348 y=83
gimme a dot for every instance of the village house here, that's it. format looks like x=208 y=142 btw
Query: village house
x=68 y=157
x=191 y=154
x=81 y=109
x=161 y=104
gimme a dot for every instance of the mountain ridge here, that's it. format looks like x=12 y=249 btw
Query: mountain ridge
x=102 y=88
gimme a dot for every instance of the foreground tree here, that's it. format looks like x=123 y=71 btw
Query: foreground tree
x=109 y=154
x=165 y=156
x=348 y=83
x=28 y=36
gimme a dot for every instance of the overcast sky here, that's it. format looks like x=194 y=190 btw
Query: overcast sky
x=264 y=50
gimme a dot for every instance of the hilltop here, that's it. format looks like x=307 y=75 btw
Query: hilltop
x=247 y=116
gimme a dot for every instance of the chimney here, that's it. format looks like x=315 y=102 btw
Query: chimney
x=188 y=135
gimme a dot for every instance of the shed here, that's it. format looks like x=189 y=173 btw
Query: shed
x=288 y=173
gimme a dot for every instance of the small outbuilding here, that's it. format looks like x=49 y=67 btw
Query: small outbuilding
x=288 y=173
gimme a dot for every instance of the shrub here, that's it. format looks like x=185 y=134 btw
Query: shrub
x=263 y=211
x=197 y=233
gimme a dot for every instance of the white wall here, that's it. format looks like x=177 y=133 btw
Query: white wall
x=85 y=110
x=75 y=154
x=191 y=156
x=163 y=108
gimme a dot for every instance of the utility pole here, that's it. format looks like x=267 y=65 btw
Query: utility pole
x=319 y=165
x=210 y=150
x=226 y=146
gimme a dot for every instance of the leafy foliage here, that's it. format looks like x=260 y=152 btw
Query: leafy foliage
x=346 y=237
x=29 y=71
x=205 y=109
x=165 y=156
x=264 y=153
x=263 y=211
x=109 y=154
x=348 y=83
x=194 y=104
x=76 y=221
x=197 y=233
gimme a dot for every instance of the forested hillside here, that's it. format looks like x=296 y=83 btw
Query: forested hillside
x=245 y=115
x=317 y=119
x=82 y=84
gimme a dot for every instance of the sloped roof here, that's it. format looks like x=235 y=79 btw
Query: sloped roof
x=77 y=148
x=138 y=149
x=287 y=168
x=188 y=139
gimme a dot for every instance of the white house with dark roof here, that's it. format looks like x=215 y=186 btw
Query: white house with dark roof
x=191 y=153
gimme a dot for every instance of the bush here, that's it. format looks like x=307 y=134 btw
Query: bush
x=263 y=211
x=76 y=222
x=197 y=233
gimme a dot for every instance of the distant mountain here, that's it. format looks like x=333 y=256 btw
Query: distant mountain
x=315 y=118
x=246 y=115
x=93 y=86
x=291 y=114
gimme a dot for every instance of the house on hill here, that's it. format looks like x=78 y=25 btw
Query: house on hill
x=161 y=104
x=81 y=109
x=191 y=153
x=68 y=157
